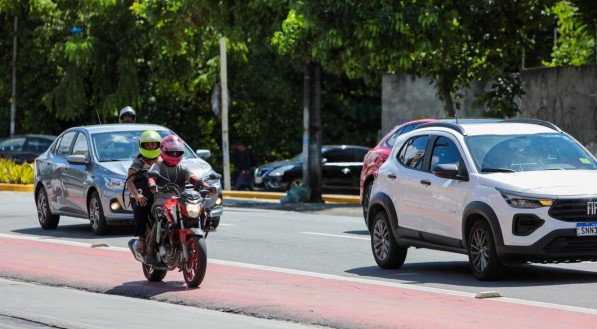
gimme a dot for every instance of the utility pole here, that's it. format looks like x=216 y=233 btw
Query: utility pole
x=224 y=87
x=312 y=130
x=13 y=103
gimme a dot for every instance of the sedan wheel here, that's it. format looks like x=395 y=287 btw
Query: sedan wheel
x=483 y=259
x=96 y=215
x=386 y=251
x=47 y=220
x=297 y=182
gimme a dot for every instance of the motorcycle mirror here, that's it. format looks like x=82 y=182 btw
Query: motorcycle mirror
x=153 y=174
x=213 y=175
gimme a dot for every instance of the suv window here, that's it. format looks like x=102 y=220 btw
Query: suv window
x=338 y=156
x=413 y=152
x=359 y=155
x=64 y=146
x=445 y=151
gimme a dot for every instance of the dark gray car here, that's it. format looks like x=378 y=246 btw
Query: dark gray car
x=82 y=174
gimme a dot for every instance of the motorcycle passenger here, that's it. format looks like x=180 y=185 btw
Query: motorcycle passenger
x=171 y=171
x=127 y=115
x=138 y=185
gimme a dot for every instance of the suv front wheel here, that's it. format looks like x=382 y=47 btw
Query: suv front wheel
x=482 y=255
x=386 y=251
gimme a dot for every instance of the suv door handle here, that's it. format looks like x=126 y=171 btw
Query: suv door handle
x=425 y=182
x=391 y=176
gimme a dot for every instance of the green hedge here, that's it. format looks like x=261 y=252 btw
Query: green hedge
x=13 y=173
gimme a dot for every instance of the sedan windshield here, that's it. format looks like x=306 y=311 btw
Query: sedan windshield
x=512 y=153
x=122 y=145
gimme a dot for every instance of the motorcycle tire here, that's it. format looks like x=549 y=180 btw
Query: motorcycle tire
x=194 y=268
x=152 y=274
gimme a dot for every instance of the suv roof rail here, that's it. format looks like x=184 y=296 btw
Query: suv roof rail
x=449 y=125
x=535 y=122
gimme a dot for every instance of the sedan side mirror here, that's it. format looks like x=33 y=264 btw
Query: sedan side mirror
x=76 y=159
x=203 y=154
x=449 y=171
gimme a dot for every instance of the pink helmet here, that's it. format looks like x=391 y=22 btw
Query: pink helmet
x=172 y=148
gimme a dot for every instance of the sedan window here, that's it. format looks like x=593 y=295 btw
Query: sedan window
x=12 y=144
x=63 y=147
x=80 y=147
x=413 y=152
x=338 y=156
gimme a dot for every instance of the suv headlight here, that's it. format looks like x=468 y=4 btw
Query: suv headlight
x=114 y=183
x=526 y=201
x=280 y=171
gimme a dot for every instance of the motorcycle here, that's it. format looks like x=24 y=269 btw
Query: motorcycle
x=184 y=222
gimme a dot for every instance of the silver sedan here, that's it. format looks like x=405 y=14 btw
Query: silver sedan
x=82 y=174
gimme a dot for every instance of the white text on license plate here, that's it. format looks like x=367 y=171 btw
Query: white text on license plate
x=586 y=229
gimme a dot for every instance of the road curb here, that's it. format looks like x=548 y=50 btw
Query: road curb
x=332 y=198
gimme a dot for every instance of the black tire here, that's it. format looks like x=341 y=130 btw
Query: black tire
x=194 y=268
x=295 y=182
x=366 y=198
x=96 y=215
x=47 y=220
x=386 y=251
x=482 y=254
x=153 y=275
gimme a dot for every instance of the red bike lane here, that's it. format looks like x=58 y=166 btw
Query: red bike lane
x=327 y=301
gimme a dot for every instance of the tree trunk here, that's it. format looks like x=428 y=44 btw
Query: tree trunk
x=444 y=89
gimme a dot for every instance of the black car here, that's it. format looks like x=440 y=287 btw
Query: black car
x=340 y=170
x=24 y=148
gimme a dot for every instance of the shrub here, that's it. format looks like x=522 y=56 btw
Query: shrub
x=13 y=173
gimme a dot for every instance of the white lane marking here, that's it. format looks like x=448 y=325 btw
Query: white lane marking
x=330 y=276
x=336 y=235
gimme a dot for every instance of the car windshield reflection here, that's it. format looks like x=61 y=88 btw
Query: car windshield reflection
x=123 y=145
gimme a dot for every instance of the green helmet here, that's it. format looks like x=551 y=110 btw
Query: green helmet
x=150 y=136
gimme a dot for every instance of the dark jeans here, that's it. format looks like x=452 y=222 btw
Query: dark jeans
x=140 y=215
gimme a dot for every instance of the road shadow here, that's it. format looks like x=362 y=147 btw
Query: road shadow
x=458 y=273
x=77 y=231
x=340 y=209
x=358 y=232
x=148 y=290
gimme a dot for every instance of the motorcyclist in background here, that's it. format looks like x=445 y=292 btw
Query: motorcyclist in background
x=171 y=171
x=138 y=185
x=127 y=115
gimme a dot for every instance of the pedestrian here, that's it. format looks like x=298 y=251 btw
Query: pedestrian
x=138 y=184
x=127 y=115
x=171 y=171
x=244 y=161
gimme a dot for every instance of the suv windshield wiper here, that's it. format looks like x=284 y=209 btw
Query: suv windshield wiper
x=497 y=170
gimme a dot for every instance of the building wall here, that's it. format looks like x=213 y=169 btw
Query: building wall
x=566 y=96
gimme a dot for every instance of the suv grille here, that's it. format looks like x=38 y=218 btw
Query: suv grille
x=572 y=210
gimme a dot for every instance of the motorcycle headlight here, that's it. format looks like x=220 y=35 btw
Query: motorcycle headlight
x=280 y=171
x=525 y=201
x=114 y=183
x=193 y=210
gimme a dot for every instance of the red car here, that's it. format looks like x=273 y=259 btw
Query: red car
x=378 y=155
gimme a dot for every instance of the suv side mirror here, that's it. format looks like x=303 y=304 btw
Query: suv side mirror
x=449 y=171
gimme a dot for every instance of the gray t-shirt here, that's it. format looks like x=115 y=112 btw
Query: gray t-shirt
x=178 y=175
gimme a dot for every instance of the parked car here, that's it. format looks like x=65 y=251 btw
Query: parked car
x=340 y=170
x=376 y=156
x=82 y=174
x=502 y=192
x=24 y=148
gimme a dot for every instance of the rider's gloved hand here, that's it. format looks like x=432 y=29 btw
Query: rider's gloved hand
x=198 y=185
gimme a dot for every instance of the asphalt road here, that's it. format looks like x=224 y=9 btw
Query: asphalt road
x=331 y=240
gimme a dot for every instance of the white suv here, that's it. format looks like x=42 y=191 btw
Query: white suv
x=501 y=191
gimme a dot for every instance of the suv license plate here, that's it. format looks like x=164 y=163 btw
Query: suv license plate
x=258 y=180
x=586 y=229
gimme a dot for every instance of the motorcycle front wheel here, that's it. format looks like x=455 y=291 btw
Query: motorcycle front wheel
x=194 y=268
x=152 y=274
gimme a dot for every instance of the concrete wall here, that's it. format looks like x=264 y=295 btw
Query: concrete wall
x=565 y=96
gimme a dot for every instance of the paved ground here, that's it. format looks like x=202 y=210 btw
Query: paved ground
x=329 y=208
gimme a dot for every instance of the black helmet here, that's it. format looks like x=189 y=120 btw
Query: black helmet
x=127 y=111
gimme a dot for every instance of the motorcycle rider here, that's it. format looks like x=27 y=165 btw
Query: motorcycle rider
x=138 y=186
x=127 y=115
x=171 y=171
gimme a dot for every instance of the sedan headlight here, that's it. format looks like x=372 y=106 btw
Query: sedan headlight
x=114 y=183
x=193 y=210
x=280 y=171
x=526 y=201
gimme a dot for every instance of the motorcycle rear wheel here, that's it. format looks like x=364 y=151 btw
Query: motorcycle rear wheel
x=153 y=275
x=194 y=268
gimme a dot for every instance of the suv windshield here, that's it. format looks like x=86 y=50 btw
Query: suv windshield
x=511 y=153
x=123 y=145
